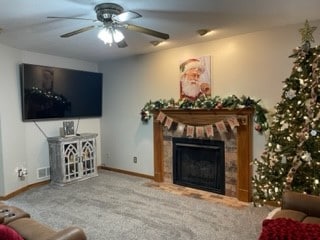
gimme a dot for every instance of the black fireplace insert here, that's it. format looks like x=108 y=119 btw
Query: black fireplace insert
x=199 y=163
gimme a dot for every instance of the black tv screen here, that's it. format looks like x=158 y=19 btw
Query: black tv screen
x=59 y=93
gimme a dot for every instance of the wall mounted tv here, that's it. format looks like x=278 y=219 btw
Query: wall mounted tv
x=59 y=93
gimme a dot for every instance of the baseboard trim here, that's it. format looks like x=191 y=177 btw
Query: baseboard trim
x=38 y=184
x=26 y=188
x=126 y=172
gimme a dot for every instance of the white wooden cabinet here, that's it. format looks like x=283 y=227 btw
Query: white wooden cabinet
x=72 y=158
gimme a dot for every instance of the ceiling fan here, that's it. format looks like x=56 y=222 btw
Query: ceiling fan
x=113 y=17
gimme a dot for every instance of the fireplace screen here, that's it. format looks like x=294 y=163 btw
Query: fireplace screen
x=199 y=163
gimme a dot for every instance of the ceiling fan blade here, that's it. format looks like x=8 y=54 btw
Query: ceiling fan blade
x=81 y=30
x=74 y=18
x=126 y=16
x=122 y=44
x=147 y=31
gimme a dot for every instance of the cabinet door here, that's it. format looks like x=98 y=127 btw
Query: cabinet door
x=88 y=156
x=71 y=160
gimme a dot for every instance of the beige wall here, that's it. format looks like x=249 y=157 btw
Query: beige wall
x=253 y=64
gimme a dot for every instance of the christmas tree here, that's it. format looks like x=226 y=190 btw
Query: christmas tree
x=291 y=159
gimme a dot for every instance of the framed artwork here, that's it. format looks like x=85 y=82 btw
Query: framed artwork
x=68 y=128
x=195 y=77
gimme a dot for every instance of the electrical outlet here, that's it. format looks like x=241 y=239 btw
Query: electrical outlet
x=22 y=172
x=135 y=159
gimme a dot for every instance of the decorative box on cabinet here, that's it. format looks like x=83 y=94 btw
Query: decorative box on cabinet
x=72 y=158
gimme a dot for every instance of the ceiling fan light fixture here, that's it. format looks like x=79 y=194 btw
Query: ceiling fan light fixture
x=105 y=35
x=110 y=35
x=112 y=17
x=117 y=35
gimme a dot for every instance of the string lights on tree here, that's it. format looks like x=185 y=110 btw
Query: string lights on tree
x=291 y=160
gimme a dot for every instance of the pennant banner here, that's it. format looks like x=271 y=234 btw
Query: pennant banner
x=180 y=129
x=199 y=132
x=221 y=127
x=168 y=122
x=209 y=130
x=233 y=122
x=161 y=117
x=190 y=131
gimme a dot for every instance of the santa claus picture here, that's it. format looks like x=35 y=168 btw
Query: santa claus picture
x=195 y=78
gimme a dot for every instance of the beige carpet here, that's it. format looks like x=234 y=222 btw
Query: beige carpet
x=116 y=206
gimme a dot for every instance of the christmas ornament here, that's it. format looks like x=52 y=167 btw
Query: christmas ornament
x=306 y=32
x=284 y=126
x=258 y=127
x=290 y=94
x=313 y=133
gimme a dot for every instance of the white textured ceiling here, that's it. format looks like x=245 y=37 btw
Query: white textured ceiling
x=25 y=25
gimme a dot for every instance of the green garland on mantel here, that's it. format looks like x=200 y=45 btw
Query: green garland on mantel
x=205 y=102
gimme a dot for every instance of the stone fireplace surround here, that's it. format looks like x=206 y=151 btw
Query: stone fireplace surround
x=196 y=117
x=230 y=158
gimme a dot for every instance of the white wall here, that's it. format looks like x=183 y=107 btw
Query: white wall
x=22 y=144
x=253 y=64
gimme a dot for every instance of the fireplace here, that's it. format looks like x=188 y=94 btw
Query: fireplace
x=238 y=154
x=199 y=163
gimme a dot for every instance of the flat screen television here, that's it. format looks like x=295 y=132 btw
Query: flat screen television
x=49 y=93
